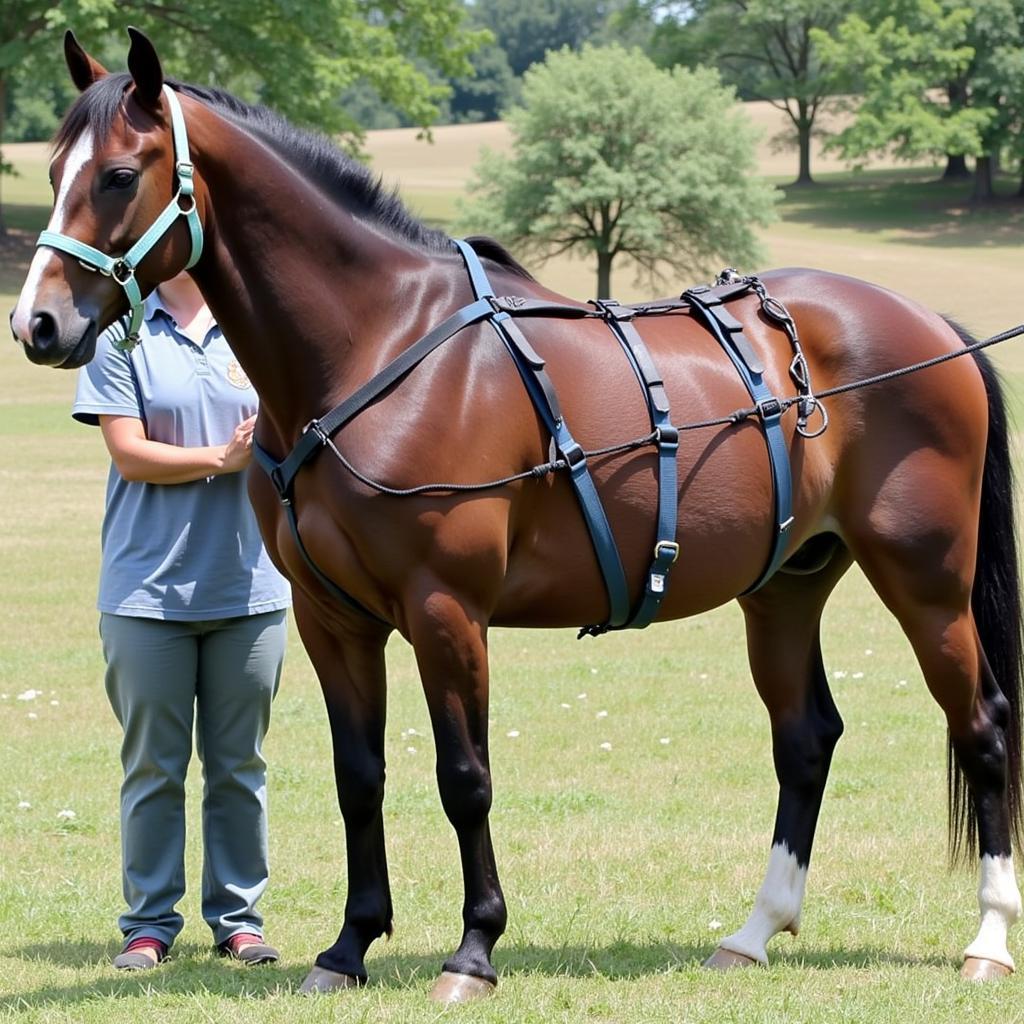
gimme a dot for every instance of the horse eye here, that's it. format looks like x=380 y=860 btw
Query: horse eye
x=121 y=179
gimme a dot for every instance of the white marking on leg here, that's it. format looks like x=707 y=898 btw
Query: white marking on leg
x=776 y=909
x=78 y=156
x=999 y=902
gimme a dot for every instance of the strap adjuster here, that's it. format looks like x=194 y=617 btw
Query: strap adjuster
x=574 y=455
x=667 y=436
x=666 y=547
x=769 y=407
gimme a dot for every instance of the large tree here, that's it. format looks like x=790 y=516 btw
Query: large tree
x=936 y=77
x=763 y=47
x=295 y=57
x=614 y=156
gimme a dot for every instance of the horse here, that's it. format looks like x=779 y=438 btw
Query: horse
x=322 y=279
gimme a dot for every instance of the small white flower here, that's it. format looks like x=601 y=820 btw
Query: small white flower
x=32 y=714
x=581 y=696
x=902 y=682
x=703 y=675
x=3 y=696
x=593 y=671
x=564 y=705
x=66 y=815
x=24 y=805
x=664 y=741
x=869 y=652
x=858 y=675
x=412 y=732
x=839 y=674
x=601 y=714
x=512 y=733
x=30 y=695
x=54 y=703
x=410 y=750
x=714 y=925
x=606 y=746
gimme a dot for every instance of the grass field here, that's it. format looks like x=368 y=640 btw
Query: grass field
x=621 y=866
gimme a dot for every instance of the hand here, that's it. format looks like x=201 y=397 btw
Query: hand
x=238 y=451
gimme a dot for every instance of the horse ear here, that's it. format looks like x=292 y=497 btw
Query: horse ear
x=84 y=69
x=144 y=65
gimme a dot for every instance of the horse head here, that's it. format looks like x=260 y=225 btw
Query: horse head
x=126 y=213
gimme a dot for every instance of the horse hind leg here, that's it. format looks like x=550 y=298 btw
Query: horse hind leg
x=783 y=645
x=943 y=599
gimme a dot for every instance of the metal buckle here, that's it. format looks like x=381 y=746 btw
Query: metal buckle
x=119 y=268
x=667 y=435
x=668 y=545
x=574 y=455
x=769 y=407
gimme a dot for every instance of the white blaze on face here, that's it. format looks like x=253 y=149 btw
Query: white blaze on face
x=78 y=156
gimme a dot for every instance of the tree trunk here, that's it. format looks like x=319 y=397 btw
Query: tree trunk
x=803 y=132
x=956 y=167
x=604 y=275
x=983 y=179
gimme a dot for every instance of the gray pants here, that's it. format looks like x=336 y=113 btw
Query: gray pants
x=160 y=676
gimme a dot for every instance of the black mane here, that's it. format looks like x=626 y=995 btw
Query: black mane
x=317 y=157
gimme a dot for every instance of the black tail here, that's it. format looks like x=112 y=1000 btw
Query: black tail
x=996 y=603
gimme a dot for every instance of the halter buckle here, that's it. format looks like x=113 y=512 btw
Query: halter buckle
x=122 y=272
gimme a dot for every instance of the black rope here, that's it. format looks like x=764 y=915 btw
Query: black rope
x=733 y=418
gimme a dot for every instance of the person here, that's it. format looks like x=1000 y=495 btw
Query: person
x=192 y=622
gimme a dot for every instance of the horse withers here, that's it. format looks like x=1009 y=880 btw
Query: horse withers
x=322 y=280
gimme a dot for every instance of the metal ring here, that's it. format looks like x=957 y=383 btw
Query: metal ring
x=120 y=267
x=187 y=209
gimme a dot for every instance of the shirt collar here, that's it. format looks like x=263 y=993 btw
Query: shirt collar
x=153 y=305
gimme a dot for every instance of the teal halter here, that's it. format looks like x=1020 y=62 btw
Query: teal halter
x=122 y=268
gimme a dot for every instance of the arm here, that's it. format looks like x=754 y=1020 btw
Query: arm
x=140 y=460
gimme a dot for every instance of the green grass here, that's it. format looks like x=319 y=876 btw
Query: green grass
x=621 y=867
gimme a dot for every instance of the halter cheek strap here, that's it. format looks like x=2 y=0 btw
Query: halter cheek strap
x=122 y=268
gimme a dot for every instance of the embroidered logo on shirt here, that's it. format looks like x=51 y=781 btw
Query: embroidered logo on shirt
x=237 y=377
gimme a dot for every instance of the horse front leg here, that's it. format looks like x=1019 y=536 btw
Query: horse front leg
x=450 y=640
x=350 y=666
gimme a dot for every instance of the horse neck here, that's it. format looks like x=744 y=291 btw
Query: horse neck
x=300 y=287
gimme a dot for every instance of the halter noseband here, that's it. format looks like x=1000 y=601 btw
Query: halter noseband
x=122 y=268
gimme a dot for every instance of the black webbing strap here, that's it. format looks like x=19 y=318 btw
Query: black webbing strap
x=666 y=548
x=728 y=331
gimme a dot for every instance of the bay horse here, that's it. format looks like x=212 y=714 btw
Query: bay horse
x=320 y=279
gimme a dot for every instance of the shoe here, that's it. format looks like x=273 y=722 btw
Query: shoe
x=249 y=948
x=133 y=957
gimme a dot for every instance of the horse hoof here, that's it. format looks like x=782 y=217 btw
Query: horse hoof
x=460 y=988
x=727 y=959
x=977 y=968
x=320 y=980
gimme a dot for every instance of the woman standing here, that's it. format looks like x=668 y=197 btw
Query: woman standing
x=192 y=619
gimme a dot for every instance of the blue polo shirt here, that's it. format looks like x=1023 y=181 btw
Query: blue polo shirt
x=188 y=551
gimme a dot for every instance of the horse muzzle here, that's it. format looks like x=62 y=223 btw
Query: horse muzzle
x=48 y=341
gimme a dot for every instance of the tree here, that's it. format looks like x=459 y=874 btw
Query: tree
x=763 y=47
x=614 y=156
x=527 y=29
x=936 y=77
x=295 y=57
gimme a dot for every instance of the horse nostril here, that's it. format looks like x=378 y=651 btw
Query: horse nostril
x=43 y=328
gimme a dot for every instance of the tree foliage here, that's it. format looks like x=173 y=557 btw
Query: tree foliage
x=614 y=156
x=933 y=77
x=766 y=48
x=295 y=56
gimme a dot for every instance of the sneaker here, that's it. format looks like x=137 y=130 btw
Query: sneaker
x=249 y=948
x=141 y=954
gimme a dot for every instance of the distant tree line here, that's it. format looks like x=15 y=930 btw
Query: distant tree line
x=919 y=78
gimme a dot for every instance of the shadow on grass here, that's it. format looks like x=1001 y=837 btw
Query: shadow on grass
x=922 y=208
x=196 y=969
